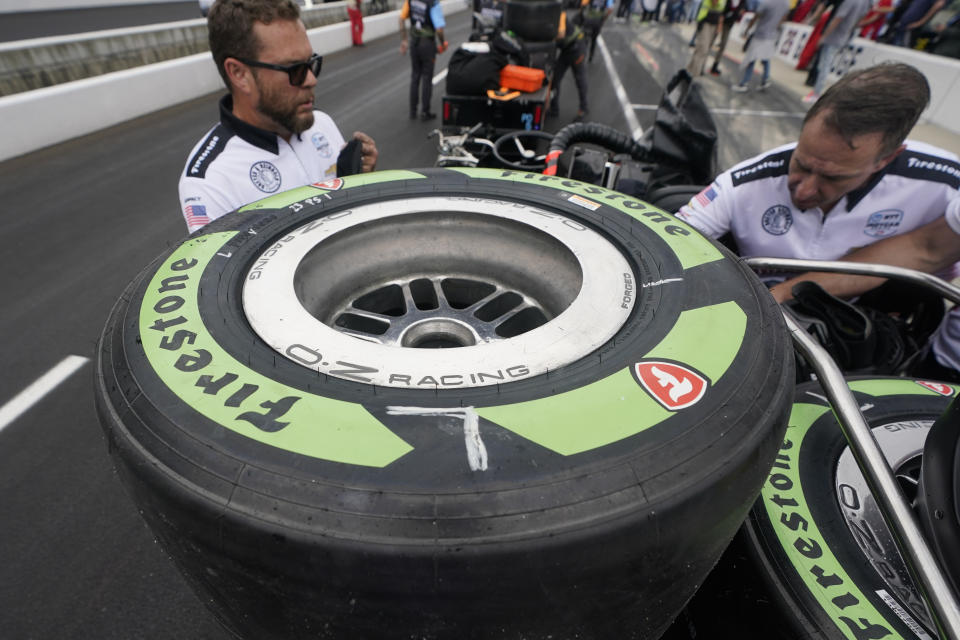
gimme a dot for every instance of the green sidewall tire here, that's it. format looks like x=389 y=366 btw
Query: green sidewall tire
x=600 y=512
x=817 y=574
x=535 y=20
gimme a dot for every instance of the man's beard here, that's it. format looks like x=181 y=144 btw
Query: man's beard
x=284 y=115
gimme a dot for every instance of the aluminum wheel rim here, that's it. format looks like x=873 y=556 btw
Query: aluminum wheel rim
x=902 y=446
x=298 y=292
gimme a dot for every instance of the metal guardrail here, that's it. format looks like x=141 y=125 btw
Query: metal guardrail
x=31 y=120
x=26 y=65
x=927 y=574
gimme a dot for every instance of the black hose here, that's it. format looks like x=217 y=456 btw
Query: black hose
x=595 y=133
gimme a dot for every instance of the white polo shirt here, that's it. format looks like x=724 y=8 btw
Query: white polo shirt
x=237 y=163
x=752 y=202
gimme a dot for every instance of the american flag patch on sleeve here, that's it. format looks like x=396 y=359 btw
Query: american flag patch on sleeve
x=706 y=196
x=196 y=215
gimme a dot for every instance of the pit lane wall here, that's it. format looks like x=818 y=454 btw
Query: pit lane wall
x=27 y=65
x=942 y=73
x=14 y=6
x=36 y=119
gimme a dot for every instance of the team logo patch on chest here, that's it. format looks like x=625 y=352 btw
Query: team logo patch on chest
x=265 y=176
x=883 y=223
x=777 y=220
x=322 y=145
x=672 y=385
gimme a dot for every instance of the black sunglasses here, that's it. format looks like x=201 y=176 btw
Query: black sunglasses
x=297 y=72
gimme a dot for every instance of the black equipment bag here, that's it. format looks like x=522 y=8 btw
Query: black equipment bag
x=472 y=74
x=683 y=139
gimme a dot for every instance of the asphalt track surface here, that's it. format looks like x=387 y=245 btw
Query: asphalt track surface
x=81 y=218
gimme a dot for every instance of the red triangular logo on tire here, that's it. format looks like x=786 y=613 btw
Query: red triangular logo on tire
x=330 y=185
x=937 y=387
x=672 y=385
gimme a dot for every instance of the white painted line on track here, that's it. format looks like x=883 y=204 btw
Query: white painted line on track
x=733 y=112
x=437 y=79
x=46 y=383
x=628 y=112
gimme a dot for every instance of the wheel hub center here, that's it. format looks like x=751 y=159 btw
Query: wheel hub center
x=438 y=333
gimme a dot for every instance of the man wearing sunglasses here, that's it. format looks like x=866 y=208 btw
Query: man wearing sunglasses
x=269 y=138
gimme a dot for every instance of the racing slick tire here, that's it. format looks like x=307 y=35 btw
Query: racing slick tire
x=816 y=534
x=613 y=392
x=536 y=20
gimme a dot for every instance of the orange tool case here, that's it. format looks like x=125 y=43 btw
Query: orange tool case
x=521 y=78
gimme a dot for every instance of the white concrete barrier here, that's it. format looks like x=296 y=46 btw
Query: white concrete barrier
x=36 y=119
x=942 y=73
x=18 y=6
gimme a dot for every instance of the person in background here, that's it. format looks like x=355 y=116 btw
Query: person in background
x=425 y=42
x=803 y=8
x=731 y=16
x=269 y=138
x=765 y=23
x=926 y=37
x=572 y=55
x=487 y=15
x=595 y=13
x=649 y=10
x=876 y=18
x=818 y=17
x=674 y=11
x=356 y=22
x=917 y=13
x=947 y=41
x=709 y=20
x=836 y=35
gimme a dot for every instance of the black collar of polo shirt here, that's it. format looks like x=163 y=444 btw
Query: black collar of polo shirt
x=261 y=138
x=858 y=194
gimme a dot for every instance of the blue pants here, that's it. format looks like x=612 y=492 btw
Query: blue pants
x=827 y=53
x=748 y=72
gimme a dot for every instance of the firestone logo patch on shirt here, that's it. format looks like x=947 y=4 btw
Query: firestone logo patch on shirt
x=777 y=220
x=265 y=176
x=883 y=223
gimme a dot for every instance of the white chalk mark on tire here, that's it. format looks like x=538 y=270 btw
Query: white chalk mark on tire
x=476 y=450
